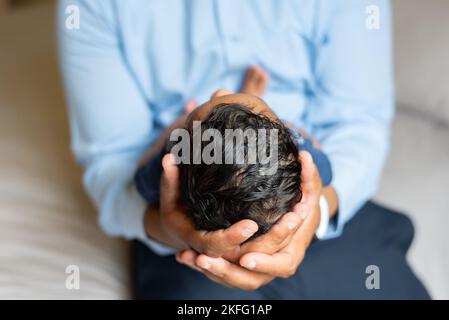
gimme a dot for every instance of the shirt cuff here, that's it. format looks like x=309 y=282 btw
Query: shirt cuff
x=134 y=225
x=336 y=223
x=347 y=206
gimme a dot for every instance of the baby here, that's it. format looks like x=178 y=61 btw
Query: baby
x=219 y=194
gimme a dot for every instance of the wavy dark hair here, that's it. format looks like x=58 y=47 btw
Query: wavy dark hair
x=218 y=195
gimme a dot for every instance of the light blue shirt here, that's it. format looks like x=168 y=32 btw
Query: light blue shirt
x=132 y=65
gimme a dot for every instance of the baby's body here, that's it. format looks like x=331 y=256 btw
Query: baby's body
x=219 y=195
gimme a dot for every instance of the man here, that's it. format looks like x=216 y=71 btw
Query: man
x=129 y=71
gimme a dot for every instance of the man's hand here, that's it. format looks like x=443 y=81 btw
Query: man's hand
x=170 y=224
x=275 y=254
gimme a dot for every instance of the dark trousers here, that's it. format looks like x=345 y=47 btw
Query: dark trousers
x=332 y=269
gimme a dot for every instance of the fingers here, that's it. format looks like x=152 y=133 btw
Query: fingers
x=222 y=271
x=310 y=180
x=282 y=264
x=278 y=236
x=231 y=274
x=188 y=258
x=306 y=232
x=307 y=166
x=285 y=262
x=236 y=234
x=303 y=209
x=308 y=207
x=169 y=180
x=217 y=243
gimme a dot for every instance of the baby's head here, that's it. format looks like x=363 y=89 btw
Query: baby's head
x=220 y=194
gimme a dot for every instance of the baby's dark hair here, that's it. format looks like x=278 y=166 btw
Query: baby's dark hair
x=218 y=195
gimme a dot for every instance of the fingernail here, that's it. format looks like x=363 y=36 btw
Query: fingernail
x=251 y=264
x=247 y=232
x=205 y=265
x=304 y=214
x=171 y=159
x=291 y=224
x=167 y=162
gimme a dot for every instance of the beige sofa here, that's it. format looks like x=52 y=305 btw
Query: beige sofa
x=416 y=176
x=47 y=223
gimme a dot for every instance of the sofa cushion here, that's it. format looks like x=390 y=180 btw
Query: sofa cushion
x=421 y=56
x=46 y=221
x=415 y=182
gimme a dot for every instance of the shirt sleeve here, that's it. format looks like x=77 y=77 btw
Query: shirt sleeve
x=111 y=121
x=353 y=100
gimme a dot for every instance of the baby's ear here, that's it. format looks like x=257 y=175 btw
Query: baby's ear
x=190 y=106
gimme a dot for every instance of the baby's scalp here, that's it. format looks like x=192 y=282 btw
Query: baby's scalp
x=218 y=194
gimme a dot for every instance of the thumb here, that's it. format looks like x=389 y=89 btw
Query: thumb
x=309 y=173
x=169 y=180
x=310 y=185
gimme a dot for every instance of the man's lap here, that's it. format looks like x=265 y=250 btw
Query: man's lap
x=161 y=277
x=332 y=269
